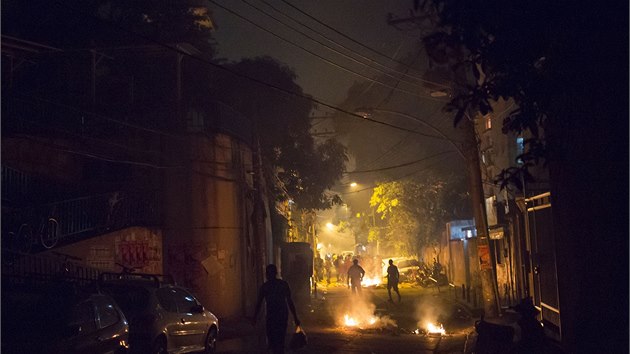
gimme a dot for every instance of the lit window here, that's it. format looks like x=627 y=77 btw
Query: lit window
x=488 y=122
x=520 y=149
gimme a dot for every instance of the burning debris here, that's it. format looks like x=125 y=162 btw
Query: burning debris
x=435 y=330
x=371 y=281
x=350 y=321
x=431 y=330
x=361 y=314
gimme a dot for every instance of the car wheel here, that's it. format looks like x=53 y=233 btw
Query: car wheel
x=211 y=341
x=159 y=346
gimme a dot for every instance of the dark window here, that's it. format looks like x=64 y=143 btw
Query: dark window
x=166 y=298
x=185 y=301
x=133 y=300
x=107 y=313
x=83 y=318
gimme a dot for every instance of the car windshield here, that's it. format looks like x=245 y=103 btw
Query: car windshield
x=133 y=300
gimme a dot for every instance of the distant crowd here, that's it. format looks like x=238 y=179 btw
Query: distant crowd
x=335 y=266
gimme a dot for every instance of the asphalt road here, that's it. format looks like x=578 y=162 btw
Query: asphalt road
x=381 y=326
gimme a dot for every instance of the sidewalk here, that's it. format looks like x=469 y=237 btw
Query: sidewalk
x=508 y=318
x=238 y=335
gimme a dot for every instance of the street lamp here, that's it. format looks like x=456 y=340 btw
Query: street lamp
x=367 y=111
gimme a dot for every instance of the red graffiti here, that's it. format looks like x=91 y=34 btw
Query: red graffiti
x=134 y=253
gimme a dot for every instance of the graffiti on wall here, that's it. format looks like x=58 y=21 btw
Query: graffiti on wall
x=139 y=250
x=134 y=253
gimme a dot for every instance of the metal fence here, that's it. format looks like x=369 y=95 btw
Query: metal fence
x=20 y=270
x=77 y=218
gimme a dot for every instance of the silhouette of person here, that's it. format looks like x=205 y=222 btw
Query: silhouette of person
x=355 y=276
x=277 y=295
x=392 y=280
x=328 y=268
x=319 y=267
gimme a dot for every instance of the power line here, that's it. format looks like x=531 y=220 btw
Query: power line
x=404 y=164
x=394 y=179
x=252 y=79
x=357 y=42
x=317 y=55
x=339 y=45
x=394 y=146
x=277 y=88
x=99 y=157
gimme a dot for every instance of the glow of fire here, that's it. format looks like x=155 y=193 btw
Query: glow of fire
x=349 y=321
x=367 y=281
x=433 y=329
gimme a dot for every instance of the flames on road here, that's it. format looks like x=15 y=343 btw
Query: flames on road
x=431 y=329
x=350 y=321
x=359 y=313
x=371 y=281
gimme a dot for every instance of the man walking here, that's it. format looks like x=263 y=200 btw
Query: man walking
x=277 y=296
x=392 y=280
x=355 y=276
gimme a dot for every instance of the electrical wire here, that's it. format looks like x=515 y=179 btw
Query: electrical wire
x=341 y=45
x=99 y=157
x=411 y=93
x=402 y=165
x=338 y=52
x=257 y=81
x=394 y=179
x=357 y=42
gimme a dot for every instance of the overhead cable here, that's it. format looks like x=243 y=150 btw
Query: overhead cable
x=335 y=50
x=356 y=41
x=321 y=57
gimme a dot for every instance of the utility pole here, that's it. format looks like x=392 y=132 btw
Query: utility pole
x=486 y=266
x=471 y=149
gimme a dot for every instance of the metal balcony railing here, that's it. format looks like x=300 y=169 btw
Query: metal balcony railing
x=20 y=270
x=48 y=225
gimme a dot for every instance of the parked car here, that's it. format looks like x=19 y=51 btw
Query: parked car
x=407 y=267
x=163 y=317
x=65 y=322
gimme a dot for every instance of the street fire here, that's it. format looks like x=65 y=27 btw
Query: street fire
x=350 y=321
x=431 y=330
x=435 y=330
x=371 y=281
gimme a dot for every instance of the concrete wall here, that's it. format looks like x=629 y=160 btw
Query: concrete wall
x=37 y=158
x=136 y=247
x=208 y=240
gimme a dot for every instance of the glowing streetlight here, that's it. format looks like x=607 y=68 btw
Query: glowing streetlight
x=353 y=184
x=330 y=226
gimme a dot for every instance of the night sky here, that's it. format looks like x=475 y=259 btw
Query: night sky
x=364 y=21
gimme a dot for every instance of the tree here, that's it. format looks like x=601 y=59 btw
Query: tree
x=304 y=169
x=84 y=24
x=565 y=66
x=415 y=210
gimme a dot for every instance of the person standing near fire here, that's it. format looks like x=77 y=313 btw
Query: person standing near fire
x=355 y=276
x=392 y=280
x=277 y=296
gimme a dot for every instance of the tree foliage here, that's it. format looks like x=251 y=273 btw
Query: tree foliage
x=104 y=23
x=304 y=168
x=505 y=49
x=415 y=211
